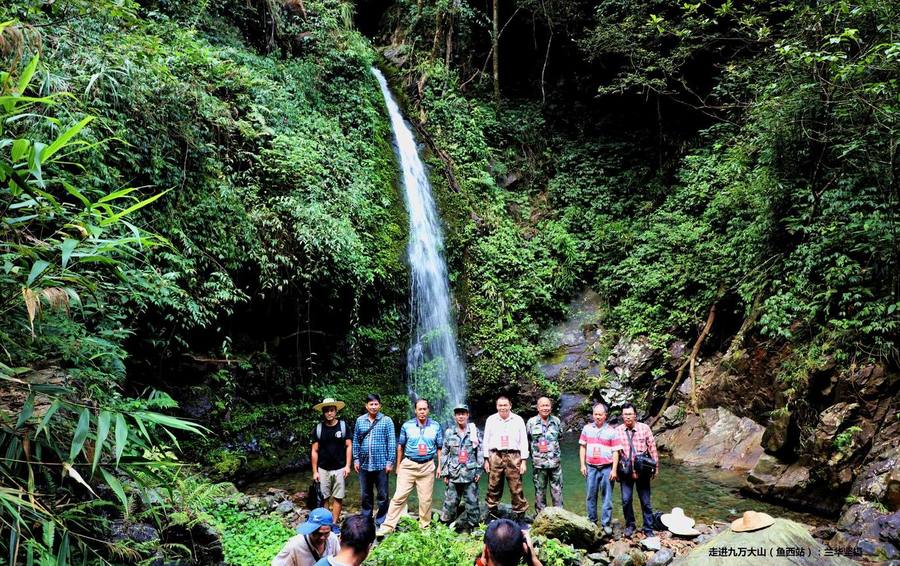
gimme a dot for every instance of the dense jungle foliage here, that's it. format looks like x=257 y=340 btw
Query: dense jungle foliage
x=199 y=204
x=675 y=157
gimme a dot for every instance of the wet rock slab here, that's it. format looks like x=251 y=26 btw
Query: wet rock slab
x=715 y=437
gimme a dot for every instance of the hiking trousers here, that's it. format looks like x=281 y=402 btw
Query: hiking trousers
x=544 y=478
x=369 y=481
x=468 y=493
x=505 y=466
x=643 y=489
x=411 y=475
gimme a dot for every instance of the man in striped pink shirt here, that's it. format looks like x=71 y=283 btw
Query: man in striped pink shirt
x=598 y=443
x=635 y=438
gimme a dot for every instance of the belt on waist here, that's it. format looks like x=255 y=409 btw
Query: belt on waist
x=600 y=466
x=419 y=461
x=504 y=451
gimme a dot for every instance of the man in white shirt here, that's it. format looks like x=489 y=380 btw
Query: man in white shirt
x=505 y=455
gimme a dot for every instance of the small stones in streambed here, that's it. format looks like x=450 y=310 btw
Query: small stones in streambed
x=661 y=557
x=658 y=550
x=618 y=548
x=275 y=501
x=601 y=558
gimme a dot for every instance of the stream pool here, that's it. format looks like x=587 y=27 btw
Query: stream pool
x=707 y=494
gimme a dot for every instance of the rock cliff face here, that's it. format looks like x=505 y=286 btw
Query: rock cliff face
x=835 y=450
x=841 y=439
x=837 y=454
x=715 y=437
x=590 y=366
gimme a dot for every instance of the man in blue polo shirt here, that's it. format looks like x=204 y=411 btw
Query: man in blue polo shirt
x=419 y=444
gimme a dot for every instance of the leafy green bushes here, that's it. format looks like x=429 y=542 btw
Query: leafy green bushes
x=413 y=546
x=757 y=176
x=66 y=245
x=554 y=553
x=248 y=540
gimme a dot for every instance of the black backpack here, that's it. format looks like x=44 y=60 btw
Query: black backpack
x=657 y=521
x=318 y=435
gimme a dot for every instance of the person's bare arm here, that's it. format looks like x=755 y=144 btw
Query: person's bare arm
x=582 y=452
x=314 y=460
x=615 y=466
x=349 y=445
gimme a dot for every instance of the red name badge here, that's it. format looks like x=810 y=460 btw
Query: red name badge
x=463 y=457
x=504 y=442
x=423 y=450
x=542 y=445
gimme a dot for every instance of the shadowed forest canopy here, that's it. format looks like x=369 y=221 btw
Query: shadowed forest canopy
x=203 y=235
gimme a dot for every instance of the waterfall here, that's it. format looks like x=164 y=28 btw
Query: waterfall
x=433 y=364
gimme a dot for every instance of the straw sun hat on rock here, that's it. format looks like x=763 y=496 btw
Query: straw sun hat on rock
x=752 y=521
x=678 y=523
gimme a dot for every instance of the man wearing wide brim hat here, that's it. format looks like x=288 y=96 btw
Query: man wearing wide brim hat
x=329 y=402
x=331 y=454
x=752 y=521
x=678 y=523
x=315 y=539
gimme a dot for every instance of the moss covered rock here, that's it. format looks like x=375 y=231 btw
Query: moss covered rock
x=786 y=536
x=568 y=527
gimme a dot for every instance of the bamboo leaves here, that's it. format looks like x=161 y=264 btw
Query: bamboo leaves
x=65 y=138
x=81 y=433
x=121 y=436
x=116 y=486
x=83 y=233
x=99 y=441
x=102 y=431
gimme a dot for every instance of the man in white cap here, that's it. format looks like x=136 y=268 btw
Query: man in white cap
x=315 y=540
x=331 y=454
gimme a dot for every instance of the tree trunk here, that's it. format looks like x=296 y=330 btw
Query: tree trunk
x=689 y=362
x=495 y=51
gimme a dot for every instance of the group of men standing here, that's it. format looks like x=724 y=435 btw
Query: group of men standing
x=460 y=453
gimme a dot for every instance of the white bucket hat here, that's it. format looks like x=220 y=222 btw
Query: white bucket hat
x=678 y=523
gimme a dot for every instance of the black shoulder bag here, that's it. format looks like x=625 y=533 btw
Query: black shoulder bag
x=626 y=465
x=645 y=465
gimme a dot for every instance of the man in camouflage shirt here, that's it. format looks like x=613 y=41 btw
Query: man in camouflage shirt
x=544 y=431
x=461 y=470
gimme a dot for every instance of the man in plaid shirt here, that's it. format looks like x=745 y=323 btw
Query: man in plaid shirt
x=374 y=453
x=634 y=438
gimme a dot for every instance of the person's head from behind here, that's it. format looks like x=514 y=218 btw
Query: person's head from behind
x=504 y=543
x=357 y=536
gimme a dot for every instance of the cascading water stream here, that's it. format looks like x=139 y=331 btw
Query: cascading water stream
x=433 y=364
